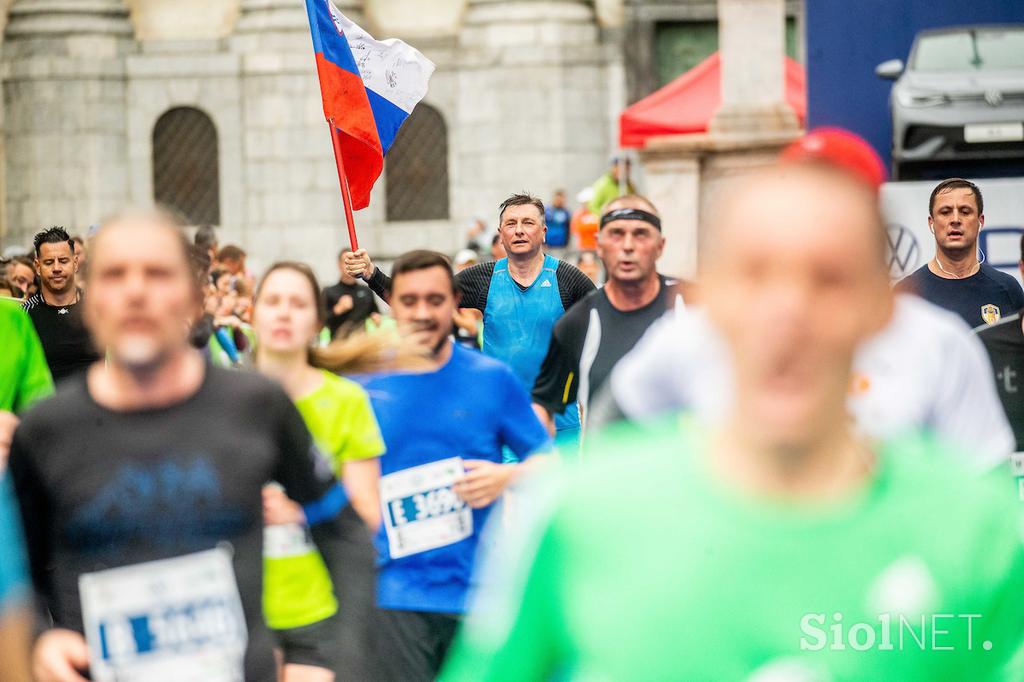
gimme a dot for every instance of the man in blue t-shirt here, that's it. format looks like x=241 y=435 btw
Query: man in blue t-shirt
x=557 y=218
x=954 y=279
x=444 y=430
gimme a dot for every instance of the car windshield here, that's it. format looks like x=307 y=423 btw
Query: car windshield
x=987 y=49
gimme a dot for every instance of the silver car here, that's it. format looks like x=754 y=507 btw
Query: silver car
x=960 y=98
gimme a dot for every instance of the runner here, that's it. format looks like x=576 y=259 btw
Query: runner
x=923 y=371
x=24 y=376
x=444 y=430
x=55 y=310
x=140 y=482
x=299 y=599
x=1004 y=342
x=521 y=296
x=778 y=544
x=955 y=279
x=589 y=339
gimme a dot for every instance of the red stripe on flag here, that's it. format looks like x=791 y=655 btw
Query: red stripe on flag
x=345 y=102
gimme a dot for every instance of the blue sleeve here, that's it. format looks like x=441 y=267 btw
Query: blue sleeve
x=327 y=507
x=13 y=576
x=518 y=426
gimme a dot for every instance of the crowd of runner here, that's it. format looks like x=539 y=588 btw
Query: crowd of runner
x=479 y=468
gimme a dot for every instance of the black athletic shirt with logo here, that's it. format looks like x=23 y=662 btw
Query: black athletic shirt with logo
x=588 y=341
x=1004 y=342
x=982 y=298
x=100 y=489
x=66 y=343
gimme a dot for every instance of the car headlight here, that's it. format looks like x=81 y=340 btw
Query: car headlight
x=908 y=98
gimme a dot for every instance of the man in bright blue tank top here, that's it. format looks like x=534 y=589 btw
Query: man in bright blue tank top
x=445 y=429
x=521 y=296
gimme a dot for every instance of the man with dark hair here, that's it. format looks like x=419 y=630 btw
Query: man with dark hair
x=232 y=259
x=1004 y=342
x=140 y=482
x=55 y=310
x=79 y=250
x=955 y=279
x=348 y=302
x=445 y=430
x=596 y=332
x=521 y=296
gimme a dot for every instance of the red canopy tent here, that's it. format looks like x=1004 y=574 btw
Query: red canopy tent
x=687 y=104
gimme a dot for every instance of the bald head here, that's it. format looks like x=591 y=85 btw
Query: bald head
x=795 y=278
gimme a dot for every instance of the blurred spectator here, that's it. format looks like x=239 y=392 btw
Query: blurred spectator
x=79 y=251
x=557 y=219
x=8 y=290
x=23 y=275
x=612 y=184
x=497 y=248
x=465 y=259
x=584 y=224
x=475 y=232
x=206 y=239
x=349 y=302
x=589 y=266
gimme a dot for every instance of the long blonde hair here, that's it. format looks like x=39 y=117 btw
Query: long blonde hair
x=358 y=353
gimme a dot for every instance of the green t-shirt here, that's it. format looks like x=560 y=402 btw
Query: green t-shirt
x=297 y=587
x=24 y=375
x=649 y=567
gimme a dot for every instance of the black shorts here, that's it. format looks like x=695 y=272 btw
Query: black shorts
x=411 y=645
x=310 y=644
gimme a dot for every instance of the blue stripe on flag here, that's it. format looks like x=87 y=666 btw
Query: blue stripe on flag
x=388 y=117
x=327 y=39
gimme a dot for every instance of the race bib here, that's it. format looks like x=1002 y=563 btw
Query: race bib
x=421 y=511
x=286 y=540
x=176 y=619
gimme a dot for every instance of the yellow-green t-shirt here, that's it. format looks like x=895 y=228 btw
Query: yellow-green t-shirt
x=297 y=588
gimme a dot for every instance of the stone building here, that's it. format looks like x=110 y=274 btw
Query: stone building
x=212 y=106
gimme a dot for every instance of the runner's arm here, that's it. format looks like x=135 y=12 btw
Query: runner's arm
x=302 y=470
x=967 y=410
x=557 y=381
x=358 y=460
x=34 y=382
x=573 y=285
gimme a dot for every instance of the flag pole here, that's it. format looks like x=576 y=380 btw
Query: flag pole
x=346 y=195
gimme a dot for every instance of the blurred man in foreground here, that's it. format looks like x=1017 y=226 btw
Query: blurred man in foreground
x=778 y=544
x=140 y=482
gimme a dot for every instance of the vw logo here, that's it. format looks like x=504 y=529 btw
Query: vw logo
x=904 y=251
x=994 y=98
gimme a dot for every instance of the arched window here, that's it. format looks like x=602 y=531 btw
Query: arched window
x=186 y=177
x=417 y=168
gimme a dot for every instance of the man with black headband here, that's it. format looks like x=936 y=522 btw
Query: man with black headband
x=590 y=338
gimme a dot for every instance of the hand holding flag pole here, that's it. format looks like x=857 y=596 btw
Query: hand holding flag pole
x=365 y=100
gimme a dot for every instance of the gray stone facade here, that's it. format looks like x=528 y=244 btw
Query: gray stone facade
x=529 y=90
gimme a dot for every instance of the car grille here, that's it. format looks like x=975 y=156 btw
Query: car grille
x=954 y=139
x=972 y=98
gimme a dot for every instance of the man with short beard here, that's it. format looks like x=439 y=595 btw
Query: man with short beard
x=55 y=310
x=444 y=430
x=140 y=482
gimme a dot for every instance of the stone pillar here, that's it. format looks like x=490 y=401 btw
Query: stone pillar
x=64 y=95
x=532 y=108
x=752 y=43
x=292 y=203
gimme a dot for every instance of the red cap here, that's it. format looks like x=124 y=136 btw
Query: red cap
x=842 y=148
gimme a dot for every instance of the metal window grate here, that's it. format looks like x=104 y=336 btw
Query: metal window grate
x=416 y=169
x=186 y=177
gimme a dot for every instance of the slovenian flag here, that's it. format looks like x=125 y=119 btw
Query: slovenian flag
x=369 y=88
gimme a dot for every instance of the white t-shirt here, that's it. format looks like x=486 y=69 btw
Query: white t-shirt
x=924 y=370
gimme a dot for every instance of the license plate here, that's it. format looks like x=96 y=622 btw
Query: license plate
x=994 y=132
